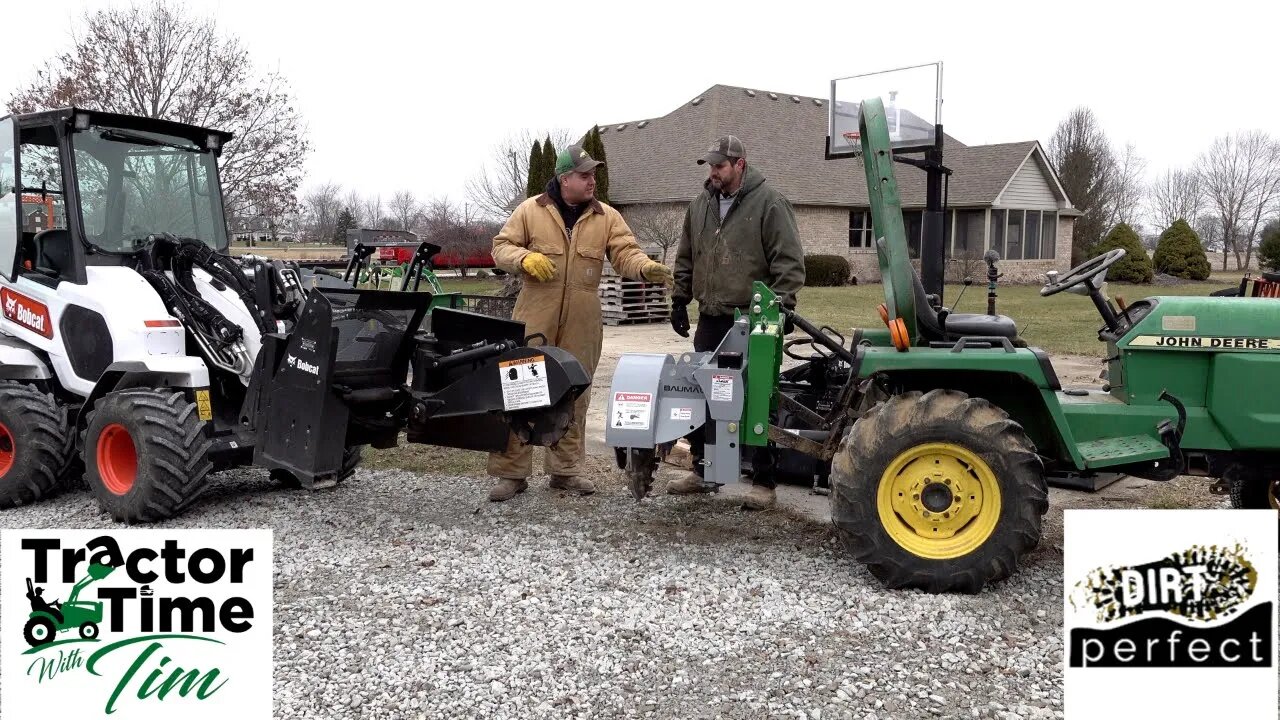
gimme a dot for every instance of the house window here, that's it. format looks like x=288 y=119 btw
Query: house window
x=997 y=231
x=913 y=220
x=968 y=238
x=1031 y=236
x=1013 y=236
x=860 y=232
x=1048 y=234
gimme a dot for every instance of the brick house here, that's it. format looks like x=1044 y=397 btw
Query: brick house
x=1004 y=196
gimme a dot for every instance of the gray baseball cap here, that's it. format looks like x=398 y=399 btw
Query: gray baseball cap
x=728 y=147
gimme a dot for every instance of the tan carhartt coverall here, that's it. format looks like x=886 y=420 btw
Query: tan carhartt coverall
x=566 y=308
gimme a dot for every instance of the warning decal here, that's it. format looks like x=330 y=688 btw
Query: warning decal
x=678 y=413
x=630 y=411
x=722 y=387
x=524 y=383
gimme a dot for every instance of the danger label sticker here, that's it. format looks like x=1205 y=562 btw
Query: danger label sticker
x=631 y=411
x=524 y=383
x=681 y=413
x=722 y=387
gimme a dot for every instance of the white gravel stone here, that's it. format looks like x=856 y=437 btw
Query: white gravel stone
x=401 y=595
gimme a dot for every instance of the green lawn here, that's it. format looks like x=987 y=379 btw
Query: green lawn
x=471 y=285
x=1064 y=323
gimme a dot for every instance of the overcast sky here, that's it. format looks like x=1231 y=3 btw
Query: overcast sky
x=414 y=95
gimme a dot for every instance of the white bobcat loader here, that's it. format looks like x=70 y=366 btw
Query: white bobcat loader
x=135 y=351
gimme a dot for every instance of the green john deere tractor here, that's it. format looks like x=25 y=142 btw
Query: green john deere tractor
x=47 y=619
x=941 y=431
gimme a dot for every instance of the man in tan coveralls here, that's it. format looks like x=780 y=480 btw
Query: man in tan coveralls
x=559 y=240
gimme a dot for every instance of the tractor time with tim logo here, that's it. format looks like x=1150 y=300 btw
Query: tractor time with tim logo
x=139 y=622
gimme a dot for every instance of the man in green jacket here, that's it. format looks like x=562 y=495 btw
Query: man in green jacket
x=737 y=231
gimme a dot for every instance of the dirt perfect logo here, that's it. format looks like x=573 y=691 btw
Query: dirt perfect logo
x=30 y=314
x=1157 y=599
x=136 y=623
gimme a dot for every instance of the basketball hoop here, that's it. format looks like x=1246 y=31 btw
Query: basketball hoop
x=854 y=139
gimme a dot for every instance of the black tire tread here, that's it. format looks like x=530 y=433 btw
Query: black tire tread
x=45 y=438
x=877 y=438
x=179 y=450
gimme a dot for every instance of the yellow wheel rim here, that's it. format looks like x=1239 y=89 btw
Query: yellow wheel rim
x=938 y=501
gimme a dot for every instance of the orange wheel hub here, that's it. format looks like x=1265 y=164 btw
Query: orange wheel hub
x=6 y=450
x=117 y=459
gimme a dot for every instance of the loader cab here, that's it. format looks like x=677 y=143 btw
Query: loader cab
x=82 y=188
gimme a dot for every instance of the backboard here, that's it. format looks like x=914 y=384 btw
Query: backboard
x=912 y=99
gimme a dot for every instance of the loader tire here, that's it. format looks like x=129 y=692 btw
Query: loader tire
x=146 y=455
x=938 y=491
x=351 y=459
x=36 y=447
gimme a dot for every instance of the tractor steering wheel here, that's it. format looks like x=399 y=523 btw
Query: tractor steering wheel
x=1086 y=271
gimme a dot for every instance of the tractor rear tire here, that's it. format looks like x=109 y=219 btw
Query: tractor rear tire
x=34 y=639
x=938 y=491
x=146 y=455
x=1253 y=488
x=351 y=459
x=36 y=448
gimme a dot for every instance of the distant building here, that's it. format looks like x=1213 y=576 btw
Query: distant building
x=1004 y=196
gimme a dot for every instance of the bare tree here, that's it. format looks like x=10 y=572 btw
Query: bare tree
x=658 y=226
x=373 y=212
x=1239 y=174
x=161 y=62
x=322 y=204
x=1175 y=195
x=354 y=204
x=1081 y=155
x=1209 y=227
x=501 y=185
x=1265 y=199
x=1124 y=201
x=405 y=210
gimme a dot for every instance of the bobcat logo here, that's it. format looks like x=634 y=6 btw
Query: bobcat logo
x=30 y=314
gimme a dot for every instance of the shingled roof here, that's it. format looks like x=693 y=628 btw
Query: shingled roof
x=655 y=160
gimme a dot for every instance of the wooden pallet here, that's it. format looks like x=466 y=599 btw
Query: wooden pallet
x=631 y=302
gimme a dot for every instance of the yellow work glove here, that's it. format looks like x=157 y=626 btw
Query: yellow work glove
x=656 y=272
x=539 y=266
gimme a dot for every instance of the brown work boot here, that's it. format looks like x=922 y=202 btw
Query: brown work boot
x=690 y=484
x=507 y=489
x=572 y=483
x=759 y=498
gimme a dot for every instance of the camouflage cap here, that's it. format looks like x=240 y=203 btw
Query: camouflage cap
x=728 y=147
x=575 y=159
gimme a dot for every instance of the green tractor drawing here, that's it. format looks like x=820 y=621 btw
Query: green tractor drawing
x=49 y=619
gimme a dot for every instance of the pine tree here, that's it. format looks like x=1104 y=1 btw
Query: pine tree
x=548 y=162
x=535 y=161
x=1135 y=266
x=346 y=221
x=594 y=146
x=1180 y=254
x=1269 y=251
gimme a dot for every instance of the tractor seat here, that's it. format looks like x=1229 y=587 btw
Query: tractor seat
x=958 y=324
x=53 y=250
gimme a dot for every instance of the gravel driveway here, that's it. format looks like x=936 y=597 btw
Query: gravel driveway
x=405 y=596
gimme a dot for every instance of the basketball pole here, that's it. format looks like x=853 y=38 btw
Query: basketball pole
x=933 y=260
